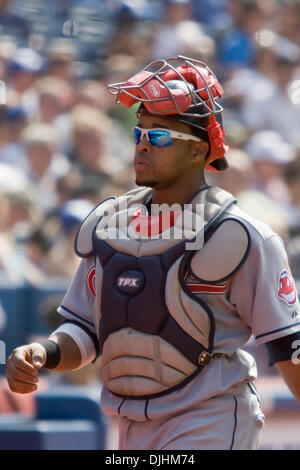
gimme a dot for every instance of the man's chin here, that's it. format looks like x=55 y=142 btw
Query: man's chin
x=147 y=184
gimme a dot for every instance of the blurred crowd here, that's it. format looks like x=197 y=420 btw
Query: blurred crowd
x=65 y=145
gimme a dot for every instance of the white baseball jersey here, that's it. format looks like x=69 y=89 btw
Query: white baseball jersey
x=260 y=299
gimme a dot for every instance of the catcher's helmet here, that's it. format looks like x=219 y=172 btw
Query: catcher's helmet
x=183 y=89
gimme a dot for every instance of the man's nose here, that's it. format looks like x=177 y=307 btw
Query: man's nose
x=143 y=145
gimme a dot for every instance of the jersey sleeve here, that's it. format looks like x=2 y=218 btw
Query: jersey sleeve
x=264 y=292
x=77 y=308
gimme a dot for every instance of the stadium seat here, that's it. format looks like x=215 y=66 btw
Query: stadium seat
x=49 y=435
x=69 y=402
x=67 y=418
x=74 y=404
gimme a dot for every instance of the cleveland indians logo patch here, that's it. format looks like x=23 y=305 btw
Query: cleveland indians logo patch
x=287 y=291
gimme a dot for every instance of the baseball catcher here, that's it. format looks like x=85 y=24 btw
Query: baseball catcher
x=174 y=279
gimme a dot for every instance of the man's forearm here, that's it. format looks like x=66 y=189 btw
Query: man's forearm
x=70 y=354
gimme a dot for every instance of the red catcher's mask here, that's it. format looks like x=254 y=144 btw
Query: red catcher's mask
x=179 y=86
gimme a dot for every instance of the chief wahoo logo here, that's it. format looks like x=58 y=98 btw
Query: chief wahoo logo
x=287 y=290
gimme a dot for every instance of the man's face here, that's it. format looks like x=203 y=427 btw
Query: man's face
x=162 y=167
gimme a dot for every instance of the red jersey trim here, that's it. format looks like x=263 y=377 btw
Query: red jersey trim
x=208 y=289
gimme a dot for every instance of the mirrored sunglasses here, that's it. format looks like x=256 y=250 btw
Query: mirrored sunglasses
x=160 y=137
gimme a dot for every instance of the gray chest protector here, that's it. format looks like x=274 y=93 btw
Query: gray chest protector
x=154 y=334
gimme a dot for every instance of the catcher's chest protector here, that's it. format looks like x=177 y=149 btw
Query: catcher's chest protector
x=154 y=334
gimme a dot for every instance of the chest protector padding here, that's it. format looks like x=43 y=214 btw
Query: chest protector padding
x=134 y=290
x=154 y=336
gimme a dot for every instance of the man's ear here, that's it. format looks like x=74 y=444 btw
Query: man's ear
x=199 y=151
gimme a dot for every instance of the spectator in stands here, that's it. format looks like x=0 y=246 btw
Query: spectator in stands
x=260 y=110
x=11 y=23
x=61 y=260
x=94 y=94
x=8 y=47
x=270 y=154
x=292 y=178
x=25 y=68
x=289 y=20
x=6 y=244
x=18 y=216
x=37 y=247
x=67 y=186
x=261 y=207
x=45 y=165
x=240 y=180
x=60 y=59
x=97 y=149
x=253 y=79
x=90 y=129
x=237 y=45
x=55 y=98
x=133 y=30
x=11 y=150
x=213 y=14
x=168 y=42
x=240 y=174
x=50 y=246
x=118 y=66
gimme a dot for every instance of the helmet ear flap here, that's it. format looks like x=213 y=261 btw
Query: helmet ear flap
x=217 y=145
x=217 y=165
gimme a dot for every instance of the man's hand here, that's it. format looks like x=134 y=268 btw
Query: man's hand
x=22 y=367
x=24 y=363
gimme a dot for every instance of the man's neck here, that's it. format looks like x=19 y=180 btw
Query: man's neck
x=177 y=195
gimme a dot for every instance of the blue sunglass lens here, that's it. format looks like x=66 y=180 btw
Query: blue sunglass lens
x=160 y=138
x=137 y=135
